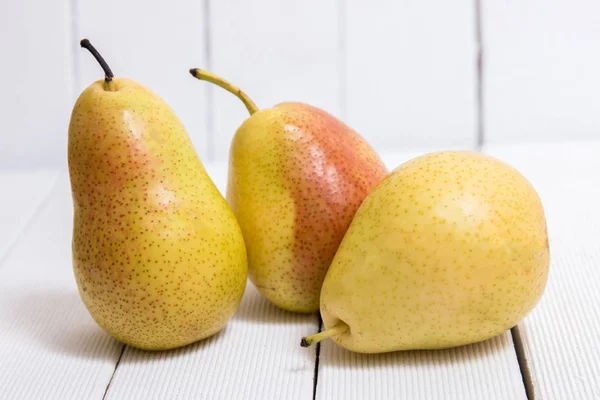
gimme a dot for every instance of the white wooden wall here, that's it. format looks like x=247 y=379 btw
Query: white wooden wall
x=403 y=73
x=541 y=64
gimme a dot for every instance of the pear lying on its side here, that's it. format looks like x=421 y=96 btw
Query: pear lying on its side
x=158 y=256
x=450 y=248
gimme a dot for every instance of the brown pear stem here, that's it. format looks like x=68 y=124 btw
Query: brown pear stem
x=217 y=80
x=108 y=75
x=316 y=338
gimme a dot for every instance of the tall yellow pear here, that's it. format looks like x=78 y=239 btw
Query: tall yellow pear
x=158 y=256
x=450 y=248
x=297 y=175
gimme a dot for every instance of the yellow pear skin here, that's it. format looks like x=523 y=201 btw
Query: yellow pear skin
x=449 y=249
x=158 y=256
x=297 y=175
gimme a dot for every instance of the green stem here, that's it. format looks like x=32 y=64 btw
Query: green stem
x=217 y=80
x=316 y=338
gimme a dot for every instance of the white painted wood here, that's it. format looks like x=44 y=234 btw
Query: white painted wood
x=487 y=370
x=275 y=51
x=560 y=337
x=541 y=76
x=411 y=72
x=154 y=43
x=52 y=349
x=23 y=191
x=218 y=173
x=36 y=73
x=49 y=345
x=256 y=356
x=393 y=159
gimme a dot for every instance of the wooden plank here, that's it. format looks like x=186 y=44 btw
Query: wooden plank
x=37 y=86
x=487 y=370
x=51 y=348
x=256 y=356
x=275 y=51
x=411 y=72
x=560 y=337
x=25 y=190
x=540 y=77
x=154 y=43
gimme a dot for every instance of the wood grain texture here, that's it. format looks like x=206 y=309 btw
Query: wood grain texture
x=26 y=191
x=154 y=43
x=540 y=78
x=50 y=346
x=487 y=370
x=411 y=72
x=560 y=336
x=37 y=89
x=52 y=349
x=275 y=51
x=256 y=356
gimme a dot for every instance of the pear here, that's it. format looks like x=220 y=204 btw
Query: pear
x=158 y=256
x=297 y=175
x=449 y=249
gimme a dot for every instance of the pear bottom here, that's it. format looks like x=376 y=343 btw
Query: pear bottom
x=142 y=322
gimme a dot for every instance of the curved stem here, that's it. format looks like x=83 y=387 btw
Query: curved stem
x=217 y=80
x=316 y=338
x=108 y=75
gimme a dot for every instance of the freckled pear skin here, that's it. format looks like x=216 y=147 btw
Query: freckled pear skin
x=450 y=248
x=296 y=177
x=158 y=256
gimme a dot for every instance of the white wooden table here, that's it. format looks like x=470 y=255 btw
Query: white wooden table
x=50 y=348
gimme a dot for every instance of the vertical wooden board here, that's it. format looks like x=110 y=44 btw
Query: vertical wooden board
x=256 y=356
x=411 y=72
x=154 y=43
x=50 y=346
x=275 y=51
x=560 y=336
x=36 y=92
x=540 y=75
x=27 y=190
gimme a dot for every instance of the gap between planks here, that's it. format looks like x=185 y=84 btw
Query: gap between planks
x=317 y=354
x=114 y=372
x=480 y=115
x=522 y=360
x=479 y=112
x=74 y=46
